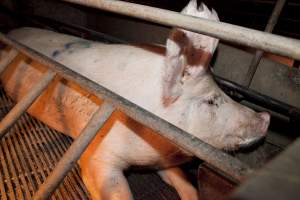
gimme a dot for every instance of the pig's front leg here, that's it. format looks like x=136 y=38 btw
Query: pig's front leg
x=176 y=178
x=105 y=181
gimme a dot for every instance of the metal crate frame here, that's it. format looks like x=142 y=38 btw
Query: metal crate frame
x=220 y=161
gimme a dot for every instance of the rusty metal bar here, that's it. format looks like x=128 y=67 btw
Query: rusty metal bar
x=232 y=33
x=25 y=103
x=259 y=53
x=11 y=55
x=230 y=166
x=74 y=152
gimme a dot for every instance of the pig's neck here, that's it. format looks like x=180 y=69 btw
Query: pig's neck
x=178 y=113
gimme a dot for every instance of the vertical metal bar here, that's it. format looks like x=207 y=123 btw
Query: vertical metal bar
x=18 y=168
x=259 y=53
x=13 y=172
x=74 y=152
x=42 y=166
x=25 y=103
x=8 y=58
x=45 y=156
x=10 y=189
x=30 y=186
x=57 y=149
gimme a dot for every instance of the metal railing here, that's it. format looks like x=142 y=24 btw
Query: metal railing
x=224 y=31
x=225 y=163
x=259 y=53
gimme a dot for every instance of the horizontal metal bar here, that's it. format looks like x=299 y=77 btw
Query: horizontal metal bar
x=228 y=32
x=74 y=152
x=9 y=57
x=259 y=53
x=25 y=103
x=229 y=165
x=260 y=99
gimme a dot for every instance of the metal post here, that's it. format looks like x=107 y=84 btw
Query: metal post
x=25 y=103
x=74 y=152
x=232 y=33
x=259 y=53
x=11 y=55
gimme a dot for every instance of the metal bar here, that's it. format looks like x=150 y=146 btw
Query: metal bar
x=5 y=168
x=42 y=162
x=46 y=156
x=9 y=57
x=259 y=53
x=74 y=152
x=260 y=99
x=232 y=167
x=25 y=103
x=12 y=168
x=232 y=33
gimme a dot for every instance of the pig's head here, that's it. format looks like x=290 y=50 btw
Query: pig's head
x=210 y=114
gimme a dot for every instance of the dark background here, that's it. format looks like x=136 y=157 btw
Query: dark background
x=248 y=13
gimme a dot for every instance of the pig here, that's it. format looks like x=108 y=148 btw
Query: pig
x=174 y=83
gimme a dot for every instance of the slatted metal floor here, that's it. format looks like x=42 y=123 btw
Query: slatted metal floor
x=30 y=151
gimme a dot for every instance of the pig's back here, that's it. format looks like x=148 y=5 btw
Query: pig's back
x=131 y=71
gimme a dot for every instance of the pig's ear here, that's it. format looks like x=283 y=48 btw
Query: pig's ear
x=188 y=55
x=174 y=66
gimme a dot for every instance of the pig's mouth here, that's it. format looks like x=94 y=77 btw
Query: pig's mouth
x=248 y=142
x=242 y=143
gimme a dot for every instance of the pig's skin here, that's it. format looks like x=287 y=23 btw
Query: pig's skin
x=188 y=98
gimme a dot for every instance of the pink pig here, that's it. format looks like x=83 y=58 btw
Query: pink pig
x=173 y=83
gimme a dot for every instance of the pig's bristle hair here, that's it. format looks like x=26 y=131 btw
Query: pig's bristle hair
x=201 y=11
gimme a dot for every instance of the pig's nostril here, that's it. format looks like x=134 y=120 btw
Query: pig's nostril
x=265 y=121
x=266 y=116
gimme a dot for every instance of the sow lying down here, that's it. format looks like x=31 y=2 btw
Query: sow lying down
x=174 y=83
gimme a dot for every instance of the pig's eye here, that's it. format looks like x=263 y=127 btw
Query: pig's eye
x=212 y=101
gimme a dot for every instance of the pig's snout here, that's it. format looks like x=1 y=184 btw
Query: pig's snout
x=258 y=130
x=265 y=121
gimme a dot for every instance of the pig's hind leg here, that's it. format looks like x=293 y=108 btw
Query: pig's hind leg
x=175 y=177
x=105 y=181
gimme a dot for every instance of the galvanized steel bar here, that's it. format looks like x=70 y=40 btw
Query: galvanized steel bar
x=74 y=152
x=25 y=103
x=9 y=57
x=228 y=32
x=259 y=53
x=230 y=166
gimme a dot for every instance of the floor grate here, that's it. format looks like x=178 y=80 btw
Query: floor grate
x=29 y=153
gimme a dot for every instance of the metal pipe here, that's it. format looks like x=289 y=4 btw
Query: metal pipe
x=232 y=167
x=25 y=103
x=69 y=159
x=228 y=32
x=259 y=53
x=9 y=57
x=260 y=99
